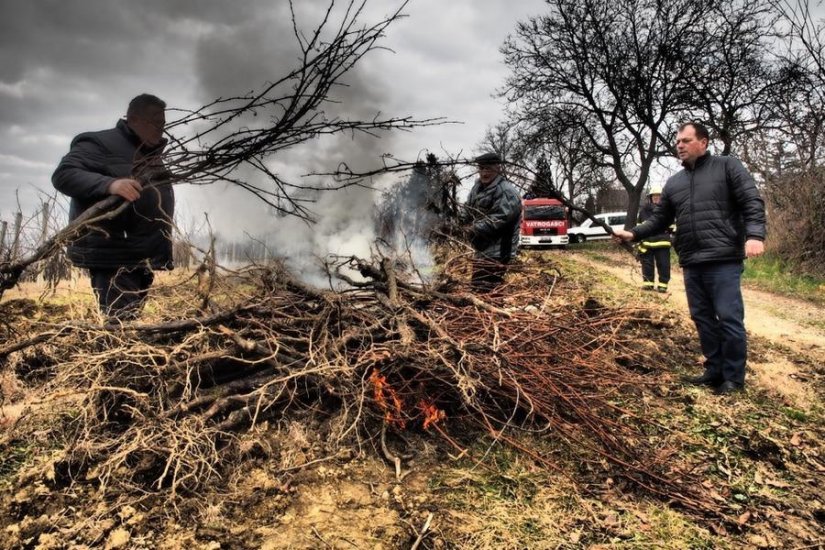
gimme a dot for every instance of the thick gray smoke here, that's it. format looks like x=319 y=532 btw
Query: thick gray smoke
x=118 y=48
x=231 y=61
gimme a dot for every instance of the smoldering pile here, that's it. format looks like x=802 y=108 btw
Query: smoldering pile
x=169 y=405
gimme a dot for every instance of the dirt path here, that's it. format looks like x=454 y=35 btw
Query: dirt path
x=793 y=327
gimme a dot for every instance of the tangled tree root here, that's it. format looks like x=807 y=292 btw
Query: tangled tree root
x=160 y=406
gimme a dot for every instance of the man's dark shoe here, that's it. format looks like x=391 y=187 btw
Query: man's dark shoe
x=729 y=387
x=704 y=380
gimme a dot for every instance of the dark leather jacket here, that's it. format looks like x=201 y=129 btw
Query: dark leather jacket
x=142 y=233
x=493 y=213
x=716 y=207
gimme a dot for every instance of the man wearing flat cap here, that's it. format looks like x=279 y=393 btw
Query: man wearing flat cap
x=492 y=212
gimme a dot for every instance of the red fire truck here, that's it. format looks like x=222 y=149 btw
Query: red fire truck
x=543 y=223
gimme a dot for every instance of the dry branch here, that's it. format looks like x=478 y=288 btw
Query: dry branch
x=105 y=209
x=214 y=142
x=169 y=399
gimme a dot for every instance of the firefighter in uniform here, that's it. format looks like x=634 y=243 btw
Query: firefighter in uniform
x=654 y=251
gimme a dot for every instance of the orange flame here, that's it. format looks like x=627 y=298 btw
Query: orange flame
x=381 y=389
x=432 y=414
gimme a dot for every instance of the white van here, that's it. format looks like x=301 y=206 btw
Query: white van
x=590 y=231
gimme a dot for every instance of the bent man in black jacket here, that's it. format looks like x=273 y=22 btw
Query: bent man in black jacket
x=122 y=253
x=720 y=221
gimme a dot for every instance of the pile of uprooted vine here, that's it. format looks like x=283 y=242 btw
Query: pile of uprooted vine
x=162 y=405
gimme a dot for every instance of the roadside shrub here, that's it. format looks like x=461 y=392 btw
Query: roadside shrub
x=796 y=220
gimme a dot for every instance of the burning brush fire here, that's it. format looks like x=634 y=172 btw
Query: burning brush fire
x=392 y=405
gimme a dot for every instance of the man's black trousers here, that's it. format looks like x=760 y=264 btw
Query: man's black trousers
x=121 y=292
x=714 y=297
x=656 y=259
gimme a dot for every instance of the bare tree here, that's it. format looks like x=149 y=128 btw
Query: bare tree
x=500 y=139
x=560 y=148
x=799 y=104
x=789 y=157
x=734 y=85
x=622 y=64
x=804 y=33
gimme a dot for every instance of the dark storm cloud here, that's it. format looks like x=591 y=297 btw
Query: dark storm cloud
x=67 y=67
x=96 y=46
x=233 y=60
x=49 y=48
x=37 y=34
x=97 y=34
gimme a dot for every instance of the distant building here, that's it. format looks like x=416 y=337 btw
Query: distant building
x=610 y=200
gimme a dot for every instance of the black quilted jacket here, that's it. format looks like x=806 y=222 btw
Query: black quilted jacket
x=716 y=207
x=140 y=234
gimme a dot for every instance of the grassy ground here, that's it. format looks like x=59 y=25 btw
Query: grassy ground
x=774 y=275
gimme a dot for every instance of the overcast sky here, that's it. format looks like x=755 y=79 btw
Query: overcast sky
x=69 y=67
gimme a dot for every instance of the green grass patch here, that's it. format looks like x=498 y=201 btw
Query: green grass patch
x=771 y=273
x=795 y=414
x=595 y=250
x=767 y=272
x=12 y=456
x=656 y=526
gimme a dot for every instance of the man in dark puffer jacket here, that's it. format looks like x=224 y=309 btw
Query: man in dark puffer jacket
x=122 y=253
x=720 y=221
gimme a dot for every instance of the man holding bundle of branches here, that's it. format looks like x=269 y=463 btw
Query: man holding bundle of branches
x=122 y=253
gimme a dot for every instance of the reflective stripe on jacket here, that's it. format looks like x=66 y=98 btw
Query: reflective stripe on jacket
x=660 y=240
